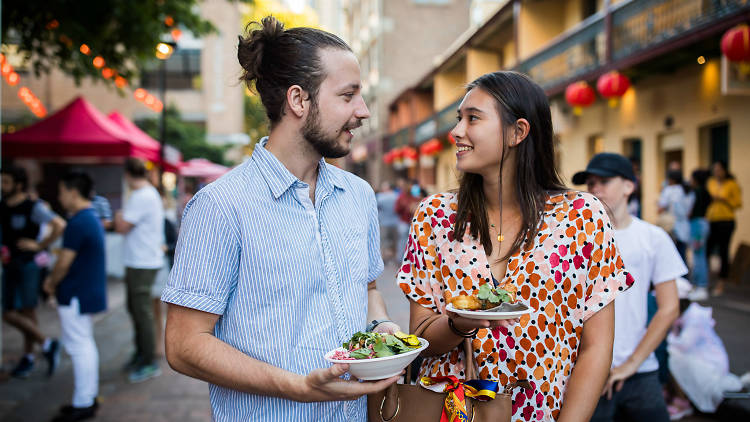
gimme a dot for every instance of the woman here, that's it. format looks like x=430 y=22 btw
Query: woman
x=675 y=200
x=699 y=230
x=726 y=198
x=512 y=220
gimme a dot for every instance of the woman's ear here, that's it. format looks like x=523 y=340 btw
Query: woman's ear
x=520 y=132
x=296 y=98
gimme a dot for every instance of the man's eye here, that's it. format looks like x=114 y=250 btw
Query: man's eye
x=472 y=118
x=458 y=118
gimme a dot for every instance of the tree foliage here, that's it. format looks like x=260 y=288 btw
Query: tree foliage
x=123 y=33
x=189 y=138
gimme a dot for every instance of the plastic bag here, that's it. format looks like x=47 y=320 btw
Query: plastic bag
x=698 y=360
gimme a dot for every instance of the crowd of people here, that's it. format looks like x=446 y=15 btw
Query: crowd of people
x=74 y=277
x=276 y=262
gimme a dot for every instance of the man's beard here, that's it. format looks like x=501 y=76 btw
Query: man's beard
x=325 y=145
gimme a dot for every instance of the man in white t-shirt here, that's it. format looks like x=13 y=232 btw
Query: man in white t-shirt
x=142 y=223
x=633 y=390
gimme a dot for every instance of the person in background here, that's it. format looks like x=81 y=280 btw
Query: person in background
x=142 y=223
x=633 y=389
x=103 y=210
x=389 y=221
x=21 y=220
x=170 y=243
x=726 y=198
x=699 y=230
x=79 y=282
x=406 y=203
x=676 y=201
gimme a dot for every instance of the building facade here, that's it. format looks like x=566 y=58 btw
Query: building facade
x=684 y=104
x=396 y=42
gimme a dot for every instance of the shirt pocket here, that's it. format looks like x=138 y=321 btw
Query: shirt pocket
x=354 y=243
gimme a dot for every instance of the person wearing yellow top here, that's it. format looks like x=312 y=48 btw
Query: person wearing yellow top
x=726 y=198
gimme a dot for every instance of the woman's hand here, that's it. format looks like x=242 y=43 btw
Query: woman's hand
x=467 y=324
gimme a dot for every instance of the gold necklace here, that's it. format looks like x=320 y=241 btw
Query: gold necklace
x=500 y=236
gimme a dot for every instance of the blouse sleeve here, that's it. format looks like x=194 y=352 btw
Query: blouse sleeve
x=607 y=276
x=416 y=277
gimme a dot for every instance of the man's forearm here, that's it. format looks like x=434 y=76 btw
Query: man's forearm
x=58 y=227
x=655 y=333
x=207 y=358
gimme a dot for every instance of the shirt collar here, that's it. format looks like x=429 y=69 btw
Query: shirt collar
x=280 y=179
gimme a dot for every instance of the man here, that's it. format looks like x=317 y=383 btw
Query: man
x=79 y=281
x=102 y=209
x=389 y=220
x=142 y=223
x=21 y=220
x=633 y=389
x=276 y=261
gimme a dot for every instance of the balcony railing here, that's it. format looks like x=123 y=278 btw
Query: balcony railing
x=642 y=24
x=581 y=51
x=636 y=27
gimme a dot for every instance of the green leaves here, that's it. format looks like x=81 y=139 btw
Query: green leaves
x=375 y=345
x=494 y=295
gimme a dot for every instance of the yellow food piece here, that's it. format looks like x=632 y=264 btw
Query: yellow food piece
x=466 y=302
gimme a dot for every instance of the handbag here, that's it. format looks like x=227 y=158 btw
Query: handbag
x=406 y=402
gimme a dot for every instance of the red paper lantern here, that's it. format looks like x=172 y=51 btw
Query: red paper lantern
x=410 y=153
x=431 y=147
x=612 y=86
x=388 y=157
x=735 y=44
x=579 y=94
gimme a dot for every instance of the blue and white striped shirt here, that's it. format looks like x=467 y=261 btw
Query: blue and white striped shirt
x=288 y=277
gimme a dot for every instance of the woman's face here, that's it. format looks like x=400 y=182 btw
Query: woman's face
x=478 y=134
x=718 y=171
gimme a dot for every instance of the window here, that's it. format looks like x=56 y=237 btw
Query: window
x=183 y=70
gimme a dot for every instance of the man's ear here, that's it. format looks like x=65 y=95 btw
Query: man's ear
x=520 y=132
x=629 y=187
x=297 y=100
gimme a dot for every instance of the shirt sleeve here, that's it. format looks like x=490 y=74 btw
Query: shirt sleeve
x=102 y=207
x=668 y=262
x=734 y=195
x=607 y=276
x=73 y=236
x=133 y=210
x=418 y=277
x=40 y=214
x=375 y=260
x=206 y=263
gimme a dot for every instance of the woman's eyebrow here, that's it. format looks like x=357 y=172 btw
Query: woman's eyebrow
x=470 y=110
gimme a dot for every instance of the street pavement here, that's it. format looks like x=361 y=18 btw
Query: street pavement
x=174 y=397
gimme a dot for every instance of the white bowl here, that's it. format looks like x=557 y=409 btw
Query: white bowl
x=379 y=368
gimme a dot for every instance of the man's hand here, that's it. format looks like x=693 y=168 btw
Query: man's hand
x=326 y=385
x=617 y=377
x=48 y=286
x=387 y=327
x=28 y=245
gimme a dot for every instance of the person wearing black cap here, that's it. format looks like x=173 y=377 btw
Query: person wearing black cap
x=633 y=387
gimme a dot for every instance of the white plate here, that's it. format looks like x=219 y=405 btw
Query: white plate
x=379 y=368
x=490 y=316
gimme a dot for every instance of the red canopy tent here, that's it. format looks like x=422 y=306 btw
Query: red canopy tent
x=144 y=146
x=79 y=130
x=203 y=169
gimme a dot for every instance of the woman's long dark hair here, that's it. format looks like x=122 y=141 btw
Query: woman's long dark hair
x=517 y=97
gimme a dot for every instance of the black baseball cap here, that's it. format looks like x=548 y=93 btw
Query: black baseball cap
x=606 y=164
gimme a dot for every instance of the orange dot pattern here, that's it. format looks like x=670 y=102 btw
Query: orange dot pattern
x=571 y=271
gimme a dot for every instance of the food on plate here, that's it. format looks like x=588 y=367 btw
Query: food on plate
x=487 y=298
x=466 y=302
x=376 y=345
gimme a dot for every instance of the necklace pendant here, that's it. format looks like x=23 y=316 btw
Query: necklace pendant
x=500 y=238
